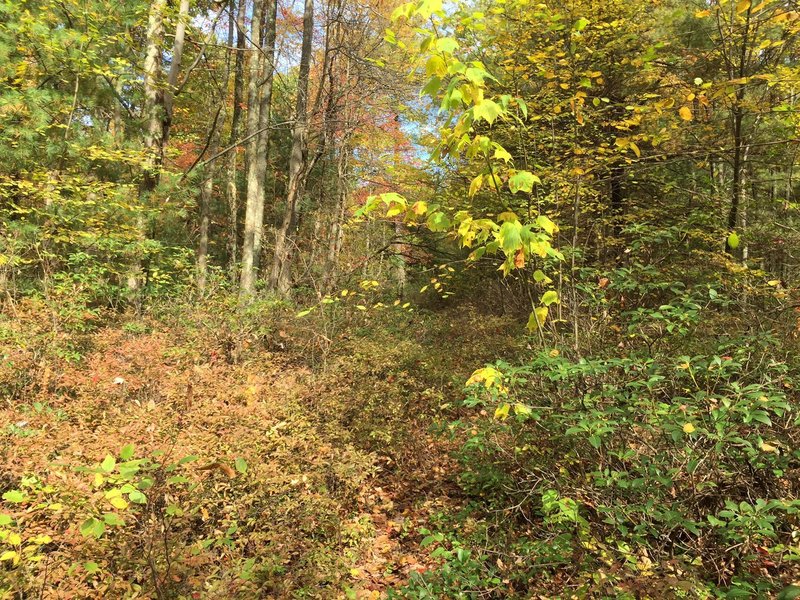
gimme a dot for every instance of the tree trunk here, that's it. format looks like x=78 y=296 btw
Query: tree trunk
x=336 y=235
x=736 y=182
x=232 y=190
x=174 y=71
x=281 y=278
x=206 y=193
x=264 y=116
x=254 y=193
x=153 y=101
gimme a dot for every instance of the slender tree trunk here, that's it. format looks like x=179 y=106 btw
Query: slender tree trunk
x=400 y=267
x=254 y=187
x=210 y=170
x=336 y=235
x=232 y=190
x=617 y=199
x=264 y=116
x=206 y=193
x=174 y=71
x=738 y=170
x=153 y=104
x=281 y=278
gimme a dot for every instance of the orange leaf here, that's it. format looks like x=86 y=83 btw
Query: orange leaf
x=519 y=259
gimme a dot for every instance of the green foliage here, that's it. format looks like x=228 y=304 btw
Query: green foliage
x=654 y=453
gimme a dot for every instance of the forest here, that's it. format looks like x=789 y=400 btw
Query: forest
x=360 y=299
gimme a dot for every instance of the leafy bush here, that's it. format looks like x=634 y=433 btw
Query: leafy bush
x=651 y=464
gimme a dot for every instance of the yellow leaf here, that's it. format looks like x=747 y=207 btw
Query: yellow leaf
x=686 y=113
x=635 y=149
x=742 y=6
x=768 y=447
x=8 y=555
x=475 y=185
x=537 y=318
x=501 y=413
x=688 y=428
x=488 y=375
x=14 y=539
x=436 y=66
x=118 y=502
x=702 y=13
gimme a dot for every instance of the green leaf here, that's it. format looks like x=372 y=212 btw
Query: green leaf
x=241 y=465
x=127 y=452
x=790 y=592
x=137 y=497
x=488 y=110
x=522 y=181
x=92 y=527
x=733 y=241
x=581 y=24
x=5 y=520
x=113 y=520
x=432 y=87
x=522 y=410
x=447 y=44
x=523 y=107
x=510 y=236
x=15 y=496
x=108 y=464
x=438 y=221
x=91 y=567
x=476 y=75
x=550 y=297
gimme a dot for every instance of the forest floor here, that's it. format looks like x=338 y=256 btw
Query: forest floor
x=303 y=478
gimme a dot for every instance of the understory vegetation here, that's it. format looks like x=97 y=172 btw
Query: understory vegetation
x=417 y=300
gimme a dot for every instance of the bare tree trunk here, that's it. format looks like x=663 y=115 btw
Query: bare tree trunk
x=174 y=70
x=210 y=169
x=737 y=186
x=400 y=270
x=281 y=277
x=153 y=101
x=264 y=116
x=254 y=187
x=238 y=92
x=206 y=193
x=336 y=235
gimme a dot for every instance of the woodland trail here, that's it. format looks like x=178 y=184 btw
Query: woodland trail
x=283 y=495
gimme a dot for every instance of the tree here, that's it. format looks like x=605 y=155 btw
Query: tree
x=280 y=278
